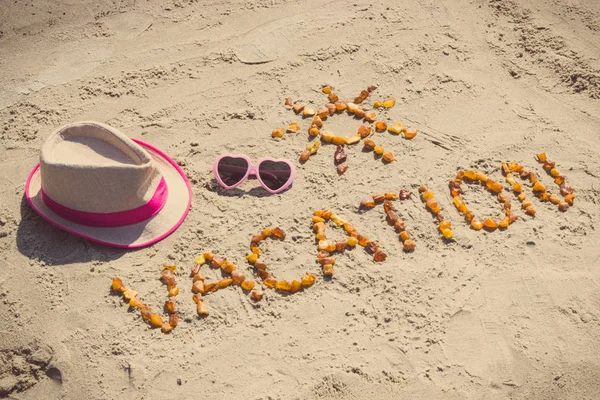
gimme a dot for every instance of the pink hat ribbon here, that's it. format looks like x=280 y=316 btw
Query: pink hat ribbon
x=111 y=220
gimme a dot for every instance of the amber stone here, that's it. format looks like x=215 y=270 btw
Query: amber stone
x=433 y=205
x=129 y=294
x=308 y=280
x=530 y=211
x=378 y=150
x=490 y=223
x=367 y=202
x=360 y=113
x=342 y=168
x=260 y=265
x=331 y=108
x=284 y=286
x=410 y=133
x=173 y=320
x=252 y=257
x=146 y=312
x=327 y=270
x=257 y=295
x=541 y=157
x=218 y=261
x=563 y=206
x=238 y=276
x=297 y=108
x=295 y=286
x=323 y=112
x=404 y=236
x=340 y=105
x=278 y=233
x=277 y=133
x=352 y=241
x=480 y=176
x=166 y=328
x=228 y=267
x=569 y=198
x=305 y=155
x=476 y=224
x=388 y=157
x=504 y=222
x=370 y=116
x=377 y=104
x=333 y=97
x=308 y=112
x=426 y=195
x=380 y=126
x=364 y=130
x=352 y=139
x=399 y=226
x=396 y=128
x=170 y=305
x=517 y=187
x=201 y=308
x=338 y=140
x=369 y=144
x=445 y=225
x=389 y=103
x=248 y=285
x=404 y=194
x=270 y=282
x=447 y=233
x=117 y=285
x=539 y=187
x=136 y=303
x=210 y=287
x=496 y=187
x=379 y=256
x=289 y=102
x=409 y=245
x=392 y=217
x=293 y=127
x=554 y=172
x=156 y=320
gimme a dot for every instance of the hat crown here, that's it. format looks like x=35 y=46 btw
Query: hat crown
x=91 y=167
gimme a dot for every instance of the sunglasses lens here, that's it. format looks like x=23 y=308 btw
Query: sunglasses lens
x=232 y=170
x=274 y=174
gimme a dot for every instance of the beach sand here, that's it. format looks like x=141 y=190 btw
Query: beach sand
x=490 y=315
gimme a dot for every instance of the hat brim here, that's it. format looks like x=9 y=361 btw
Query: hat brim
x=142 y=234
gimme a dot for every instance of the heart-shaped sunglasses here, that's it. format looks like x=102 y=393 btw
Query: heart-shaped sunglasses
x=274 y=175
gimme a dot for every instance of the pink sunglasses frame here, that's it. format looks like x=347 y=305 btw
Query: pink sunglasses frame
x=253 y=171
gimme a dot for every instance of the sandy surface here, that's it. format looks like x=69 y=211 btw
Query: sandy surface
x=513 y=314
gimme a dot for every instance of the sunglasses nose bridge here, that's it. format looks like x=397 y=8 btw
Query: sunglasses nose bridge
x=252 y=170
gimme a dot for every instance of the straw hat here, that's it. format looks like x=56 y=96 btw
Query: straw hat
x=97 y=183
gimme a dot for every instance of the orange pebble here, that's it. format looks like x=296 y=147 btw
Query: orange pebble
x=410 y=133
x=248 y=285
x=388 y=157
x=257 y=295
x=380 y=126
x=389 y=103
x=476 y=224
x=277 y=132
x=117 y=285
x=490 y=223
x=156 y=320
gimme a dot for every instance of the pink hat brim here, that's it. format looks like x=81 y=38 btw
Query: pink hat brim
x=172 y=172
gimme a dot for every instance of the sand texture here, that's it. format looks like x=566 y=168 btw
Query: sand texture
x=490 y=315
